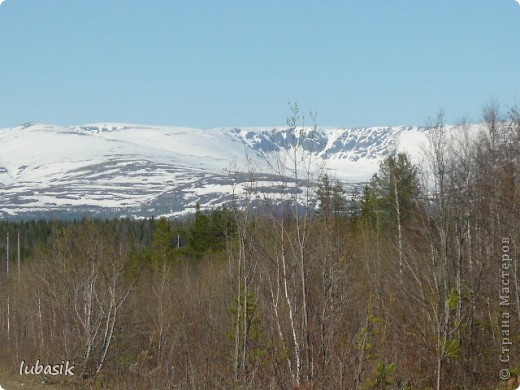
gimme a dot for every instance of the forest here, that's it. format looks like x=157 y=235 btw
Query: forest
x=413 y=283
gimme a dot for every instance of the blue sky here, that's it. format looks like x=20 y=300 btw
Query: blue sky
x=238 y=63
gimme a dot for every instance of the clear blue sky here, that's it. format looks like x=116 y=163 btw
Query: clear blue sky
x=238 y=63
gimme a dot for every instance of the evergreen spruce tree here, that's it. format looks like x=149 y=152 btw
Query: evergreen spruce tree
x=162 y=244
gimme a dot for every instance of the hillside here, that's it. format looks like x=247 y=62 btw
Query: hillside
x=114 y=169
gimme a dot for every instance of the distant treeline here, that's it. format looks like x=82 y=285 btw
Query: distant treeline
x=191 y=235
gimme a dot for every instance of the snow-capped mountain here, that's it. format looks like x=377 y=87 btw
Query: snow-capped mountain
x=113 y=169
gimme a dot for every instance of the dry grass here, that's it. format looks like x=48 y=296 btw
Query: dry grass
x=13 y=381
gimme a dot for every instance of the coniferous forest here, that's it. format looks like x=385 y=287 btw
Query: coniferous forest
x=413 y=283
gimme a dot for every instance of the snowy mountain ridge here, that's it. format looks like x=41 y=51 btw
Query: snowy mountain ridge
x=115 y=169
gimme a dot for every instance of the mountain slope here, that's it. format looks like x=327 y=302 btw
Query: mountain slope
x=113 y=169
